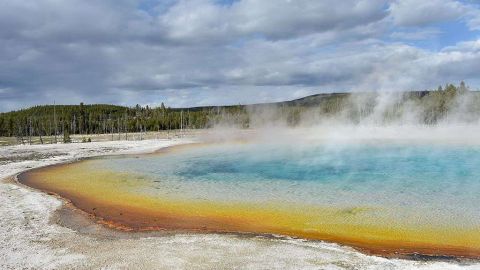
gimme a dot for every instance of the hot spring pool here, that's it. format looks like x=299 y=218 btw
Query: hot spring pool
x=387 y=198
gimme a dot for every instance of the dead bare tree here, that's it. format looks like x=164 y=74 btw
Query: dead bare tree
x=118 y=128
x=55 y=120
x=30 y=130
x=40 y=131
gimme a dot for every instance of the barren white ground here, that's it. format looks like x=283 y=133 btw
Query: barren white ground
x=29 y=240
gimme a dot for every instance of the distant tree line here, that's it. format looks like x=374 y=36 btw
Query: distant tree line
x=49 y=120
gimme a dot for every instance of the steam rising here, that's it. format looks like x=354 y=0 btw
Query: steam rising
x=447 y=115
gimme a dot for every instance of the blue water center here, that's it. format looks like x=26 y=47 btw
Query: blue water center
x=411 y=180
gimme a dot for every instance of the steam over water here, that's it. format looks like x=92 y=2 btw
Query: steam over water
x=412 y=186
x=377 y=193
x=419 y=183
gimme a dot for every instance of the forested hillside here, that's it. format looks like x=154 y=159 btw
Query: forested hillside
x=430 y=107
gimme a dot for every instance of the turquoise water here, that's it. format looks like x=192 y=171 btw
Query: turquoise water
x=437 y=184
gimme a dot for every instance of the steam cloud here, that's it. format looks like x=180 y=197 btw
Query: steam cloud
x=450 y=115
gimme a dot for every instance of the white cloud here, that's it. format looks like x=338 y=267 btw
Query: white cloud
x=197 y=52
x=474 y=19
x=202 y=19
x=420 y=13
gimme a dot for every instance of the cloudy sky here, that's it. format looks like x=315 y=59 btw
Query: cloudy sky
x=202 y=52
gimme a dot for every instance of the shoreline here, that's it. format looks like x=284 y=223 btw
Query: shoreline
x=35 y=236
x=68 y=211
x=23 y=206
x=171 y=225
